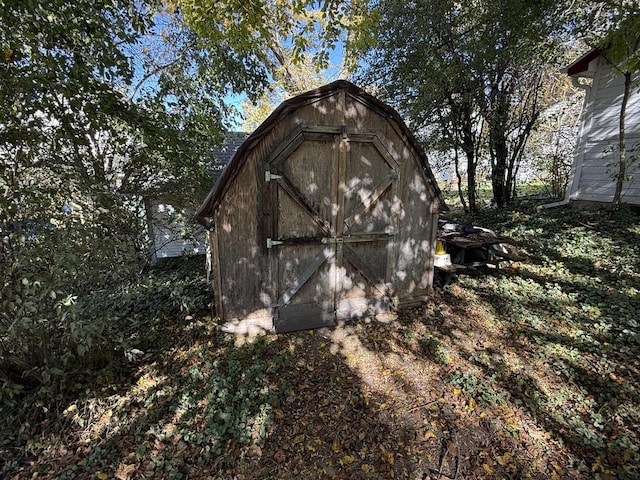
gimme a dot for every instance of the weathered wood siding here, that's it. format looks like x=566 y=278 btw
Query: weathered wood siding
x=242 y=273
x=329 y=215
x=596 y=156
x=416 y=237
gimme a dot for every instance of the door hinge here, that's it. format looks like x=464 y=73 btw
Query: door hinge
x=273 y=243
x=268 y=176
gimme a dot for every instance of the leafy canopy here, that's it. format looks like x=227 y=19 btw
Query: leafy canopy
x=250 y=29
x=465 y=75
x=102 y=102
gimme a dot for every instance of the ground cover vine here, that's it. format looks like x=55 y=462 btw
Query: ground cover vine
x=528 y=371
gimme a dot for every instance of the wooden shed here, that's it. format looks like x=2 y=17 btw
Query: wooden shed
x=327 y=211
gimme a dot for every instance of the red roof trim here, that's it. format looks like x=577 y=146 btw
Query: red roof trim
x=582 y=64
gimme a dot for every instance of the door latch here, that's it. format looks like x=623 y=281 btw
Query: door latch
x=332 y=240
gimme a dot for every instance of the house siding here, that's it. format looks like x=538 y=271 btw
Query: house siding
x=596 y=158
x=174 y=235
x=167 y=227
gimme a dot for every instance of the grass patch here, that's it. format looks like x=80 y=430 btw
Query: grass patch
x=484 y=192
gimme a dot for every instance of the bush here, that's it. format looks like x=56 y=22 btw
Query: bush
x=51 y=270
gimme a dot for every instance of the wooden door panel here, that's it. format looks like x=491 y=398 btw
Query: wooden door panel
x=306 y=287
x=361 y=307
x=367 y=175
x=364 y=279
x=368 y=228
x=295 y=220
x=302 y=317
x=333 y=201
x=369 y=181
x=305 y=274
x=308 y=170
x=369 y=260
x=377 y=217
x=304 y=215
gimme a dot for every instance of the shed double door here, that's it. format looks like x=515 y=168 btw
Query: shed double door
x=332 y=220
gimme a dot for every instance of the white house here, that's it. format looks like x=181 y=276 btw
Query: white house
x=596 y=156
x=173 y=232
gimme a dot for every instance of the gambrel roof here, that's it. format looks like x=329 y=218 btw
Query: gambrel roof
x=211 y=202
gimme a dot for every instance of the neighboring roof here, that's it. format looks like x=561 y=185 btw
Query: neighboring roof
x=206 y=211
x=225 y=152
x=580 y=67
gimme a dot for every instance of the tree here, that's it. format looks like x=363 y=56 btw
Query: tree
x=470 y=68
x=422 y=69
x=287 y=79
x=288 y=41
x=518 y=43
x=550 y=149
x=254 y=29
x=101 y=102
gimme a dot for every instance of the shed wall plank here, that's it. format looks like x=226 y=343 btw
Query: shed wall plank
x=241 y=245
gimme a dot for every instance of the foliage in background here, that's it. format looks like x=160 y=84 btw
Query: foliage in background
x=294 y=43
x=476 y=93
x=551 y=147
x=287 y=80
x=486 y=71
x=260 y=30
x=77 y=155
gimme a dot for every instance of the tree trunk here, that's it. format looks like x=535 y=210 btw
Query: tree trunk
x=499 y=160
x=498 y=177
x=510 y=124
x=459 y=177
x=469 y=147
x=622 y=159
x=498 y=118
x=471 y=180
x=471 y=186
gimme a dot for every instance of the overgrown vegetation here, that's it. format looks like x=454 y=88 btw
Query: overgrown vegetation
x=111 y=371
x=106 y=103
x=529 y=371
